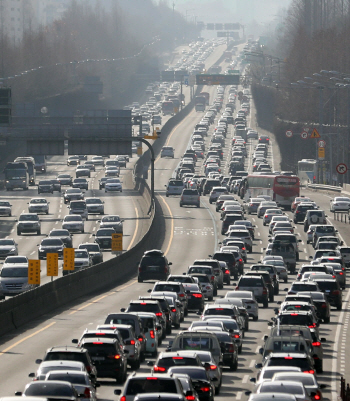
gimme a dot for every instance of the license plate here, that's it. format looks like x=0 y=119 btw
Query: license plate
x=153 y=268
x=98 y=358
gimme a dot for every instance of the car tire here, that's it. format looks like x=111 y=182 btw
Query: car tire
x=339 y=307
x=139 y=280
x=297 y=257
x=135 y=364
x=266 y=304
x=186 y=312
x=177 y=325
x=271 y=298
x=210 y=299
x=326 y=320
x=217 y=390
x=255 y=318
x=233 y=366
x=198 y=205
x=168 y=330
x=38 y=232
x=180 y=204
x=240 y=349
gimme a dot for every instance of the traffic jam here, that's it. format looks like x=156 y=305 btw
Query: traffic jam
x=185 y=337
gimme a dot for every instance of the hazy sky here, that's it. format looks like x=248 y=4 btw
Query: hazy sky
x=242 y=11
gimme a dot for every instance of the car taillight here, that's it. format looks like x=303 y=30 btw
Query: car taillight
x=87 y=392
x=208 y=287
x=151 y=333
x=340 y=273
x=227 y=271
x=312 y=326
x=197 y=295
x=309 y=371
x=266 y=216
x=159 y=314
x=143 y=303
x=297 y=211
x=190 y=397
x=182 y=198
x=316 y=344
x=131 y=342
x=240 y=260
x=212 y=278
x=288 y=357
x=336 y=292
x=264 y=291
x=97 y=342
x=152 y=378
x=181 y=295
x=117 y=356
x=231 y=348
x=173 y=310
x=237 y=288
x=236 y=336
x=324 y=305
x=205 y=389
x=294 y=314
x=123 y=398
x=88 y=368
x=213 y=367
x=159 y=369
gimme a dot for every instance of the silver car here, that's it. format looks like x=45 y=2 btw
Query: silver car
x=73 y=223
x=95 y=206
x=8 y=247
x=112 y=221
x=5 y=208
x=249 y=301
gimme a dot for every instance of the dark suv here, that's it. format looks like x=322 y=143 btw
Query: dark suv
x=107 y=356
x=165 y=308
x=209 y=184
x=300 y=211
x=228 y=220
x=230 y=261
x=267 y=278
x=153 y=266
x=332 y=290
x=69 y=353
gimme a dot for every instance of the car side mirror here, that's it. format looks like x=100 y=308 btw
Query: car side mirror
x=261 y=351
x=117 y=391
x=75 y=341
x=122 y=309
x=31 y=374
x=266 y=337
x=150 y=363
x=253 y=380
x=38 y=361
x=149 y=290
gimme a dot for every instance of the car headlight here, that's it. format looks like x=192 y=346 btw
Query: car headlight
x=12 y=250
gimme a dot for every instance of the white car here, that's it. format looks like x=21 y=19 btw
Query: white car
x=73 y=223
x=82 y=259
x=113 y=184
x=98 y=161
x=167 y=151
x=38 y=205
x=280 y=267
x=249 y=301
x=82 y=171
x=5 y=208
x=95 y=206
x=340 y=204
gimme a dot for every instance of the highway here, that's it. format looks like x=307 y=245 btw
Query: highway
x=191 y=233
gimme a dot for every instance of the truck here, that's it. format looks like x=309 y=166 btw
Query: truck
x=40 y=163
x=29 y=160
x=16 y=176
x=199 y=103
x=168 y=108
x=207 y=97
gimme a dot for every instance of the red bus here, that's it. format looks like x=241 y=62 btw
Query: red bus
x=282 y=189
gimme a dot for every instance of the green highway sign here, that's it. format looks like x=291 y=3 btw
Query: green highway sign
x=217 y=79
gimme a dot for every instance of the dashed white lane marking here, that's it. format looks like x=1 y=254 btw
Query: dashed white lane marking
x=252 y=363
x=239 y=395
x=245 y=379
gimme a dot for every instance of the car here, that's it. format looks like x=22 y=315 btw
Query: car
x=113 y=185
x=79 y=207
x=280 y=267
x=314 y=217
x=132 y=345
x=195 y=298
x=190 y=197
x=103 y=237
x=65 y=179
x=102 y=182
x=5 y=208
x=340 y=204
x=331 y=288
x=57 y=365
x=80 y=381
x=56 y=185
x=167 y=360
x=323 y=230
x=205 y=284
x=98 y=161
x=50 y=245
x=264 y=205
x=143 y=383
x=28 y=222
x=257 y=285
x=170 y=310
x=271 y=269
x=301 y=360
x=112 y=221
x=73 y=161
x=64 y=235
x=81 y=183
x=70 y=353
x=269 y=213
x=101 y=349
x=298 y=200
x=286 y=387
x=153 y=266
x=14 y=276
x=112 y=171
x=45 y=186
x=94 y=251
x=90 y=165
x=122 y=160
x=95 y=206
x=269 y=282
x=72 y=194
x=154 y=331
x=174 y=187
x=73 y=223
x=82 y=171
x=48 y=389
x=171 y=286
x=252 y=205
x=167 y=151
x=285 y=343
x=8 y=247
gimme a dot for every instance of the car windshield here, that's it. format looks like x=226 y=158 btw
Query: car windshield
x=4 y=242
x=5 y=204
x=290 y=361
x=156 y=385
x=277 y=388
x=325 y=230
x=49 y=241
x=81 y=254
x=63 y=176
x=59 y=233
x=48 y=389
x=250 y=282
x=104 y=233
x=73 y=218
x=35 y=201
x=14 y=272
x=74 y=378
x=28 y=217
x=110 y=219
x=153 y=261
x=73 y=190
x=167 y=287
x=93 y=201
x=90 y=247
x=16 y=259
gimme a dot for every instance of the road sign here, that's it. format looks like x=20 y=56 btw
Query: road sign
x=304 y=135
x=321 y=153
x=321 y=143
x=52 y=264
x=68 y=259
x=289 y=134
x=315 y=134
x=34 y=271
x=117 y=242
x=342 y=168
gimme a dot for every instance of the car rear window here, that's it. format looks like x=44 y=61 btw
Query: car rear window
x=290 y=361
x=151 y=385
x=177 y=361
x=167 y=287
x=304 y=287
x=152 y=261
x=250 y=282
x=143 y=307
x=295 y=319
x=65 y=356
x=100 y=349
x=327 y=285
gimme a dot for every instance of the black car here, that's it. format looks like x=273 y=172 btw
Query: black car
x=209 y=184
x=107 y=356
x=165 y=308
x=149 y=306
x=332 y=290
x=66 y=353
x=50 y=245
x=267 y=278
x=301 y=209
x=230 y=260
x=56 y=185
x=103 y=237
x=195 y=298
x=153 y=266
x=323 y=307
x=64 y=235
x=229 y=349
x=65 y=179
x=45 y=186
x=228 y=220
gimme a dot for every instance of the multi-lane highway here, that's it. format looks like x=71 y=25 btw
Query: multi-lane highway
x=191 y=233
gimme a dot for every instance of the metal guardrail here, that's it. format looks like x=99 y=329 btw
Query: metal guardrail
x=325 y=187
